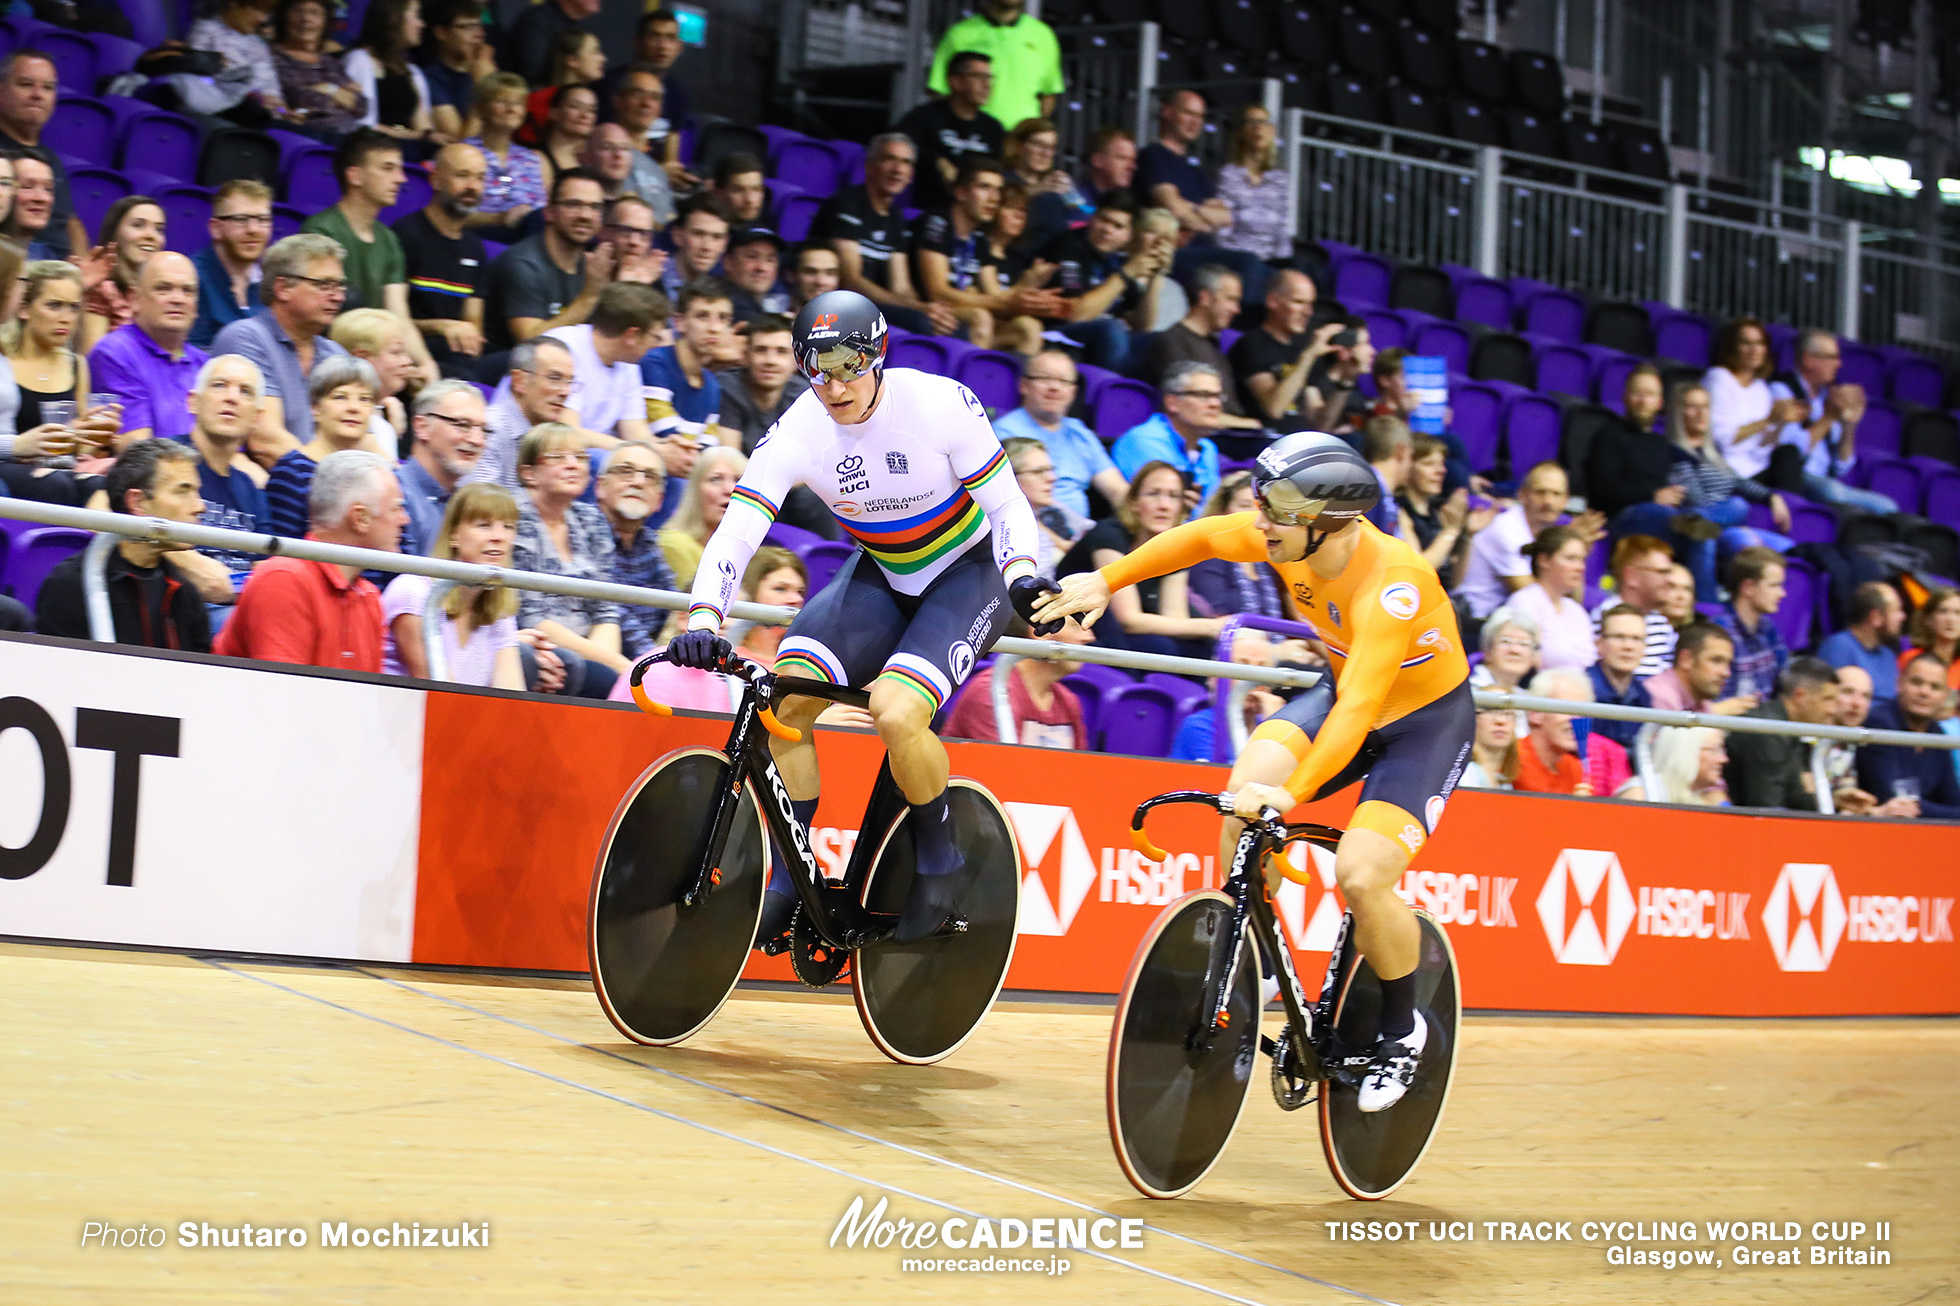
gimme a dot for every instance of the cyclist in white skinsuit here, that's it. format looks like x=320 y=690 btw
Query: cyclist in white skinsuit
x=910 y=466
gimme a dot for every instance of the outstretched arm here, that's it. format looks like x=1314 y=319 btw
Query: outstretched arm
x=751 y=512
x=981 y=464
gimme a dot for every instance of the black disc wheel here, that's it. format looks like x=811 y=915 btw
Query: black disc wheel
x=661 y=969
x=1372 y=1155
x=921 y=1001
x=1173 y=1101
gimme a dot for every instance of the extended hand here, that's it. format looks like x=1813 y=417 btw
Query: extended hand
x=462 y=337
x=1779 y=511
x=1249 y=802
x=701 y=649
x=1025 y=594
x=1083 y=595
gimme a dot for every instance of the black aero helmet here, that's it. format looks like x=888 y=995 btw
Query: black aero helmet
x=839 y=332
x=1310 y=479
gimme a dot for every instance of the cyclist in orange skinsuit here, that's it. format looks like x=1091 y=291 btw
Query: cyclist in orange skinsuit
x=1403 y=716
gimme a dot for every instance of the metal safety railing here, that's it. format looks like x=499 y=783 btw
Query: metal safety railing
x=115 y=526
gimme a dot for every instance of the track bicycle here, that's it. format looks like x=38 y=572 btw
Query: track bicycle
x=677 y=892
x=1187 y=1026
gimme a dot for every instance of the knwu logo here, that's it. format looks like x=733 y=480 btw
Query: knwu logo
x=1804 y=916
x=1041 y=830
x=1570 y=907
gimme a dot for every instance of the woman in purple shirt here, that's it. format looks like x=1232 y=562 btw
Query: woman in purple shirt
x=514 y=187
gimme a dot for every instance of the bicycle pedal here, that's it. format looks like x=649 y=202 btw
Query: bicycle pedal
x=777 y=946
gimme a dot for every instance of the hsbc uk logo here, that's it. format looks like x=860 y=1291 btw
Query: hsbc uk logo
x=1804 y=916
x=1049 y=837
x=1586 y=907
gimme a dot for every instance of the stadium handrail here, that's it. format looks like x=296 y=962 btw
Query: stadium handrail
x=156 y=530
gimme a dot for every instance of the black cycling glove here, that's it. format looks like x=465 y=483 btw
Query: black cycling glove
x=1025 y=593
x=701 y=649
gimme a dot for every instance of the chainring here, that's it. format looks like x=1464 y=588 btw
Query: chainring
x=1291 y=1088
x=815 y=962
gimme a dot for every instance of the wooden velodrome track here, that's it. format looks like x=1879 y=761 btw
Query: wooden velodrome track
x=155 y=1088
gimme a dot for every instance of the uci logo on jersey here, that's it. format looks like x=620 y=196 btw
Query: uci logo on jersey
x=851 y=478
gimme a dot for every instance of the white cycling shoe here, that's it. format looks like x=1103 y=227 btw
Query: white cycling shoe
x=1393 y=1069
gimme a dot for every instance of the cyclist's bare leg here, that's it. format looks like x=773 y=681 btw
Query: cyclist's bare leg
x=904 y=720
x=1367 y=867
x=797 y=762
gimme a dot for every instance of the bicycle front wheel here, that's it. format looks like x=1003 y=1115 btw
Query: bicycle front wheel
x=1373 y=1154
x=663 y=970
x=1173 y=1102
x=919 y=1002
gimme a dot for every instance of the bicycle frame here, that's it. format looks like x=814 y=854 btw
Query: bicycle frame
x=1311 y=1027
x=835 y=911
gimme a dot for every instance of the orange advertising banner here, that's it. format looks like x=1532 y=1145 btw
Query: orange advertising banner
x=1553 y=904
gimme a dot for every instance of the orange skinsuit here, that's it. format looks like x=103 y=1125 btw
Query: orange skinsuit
x=1385 y=618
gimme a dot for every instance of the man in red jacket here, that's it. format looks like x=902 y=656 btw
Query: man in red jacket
x=316 y=613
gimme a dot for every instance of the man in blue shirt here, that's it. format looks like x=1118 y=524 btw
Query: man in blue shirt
x=449 y=435
x=226 y=403
x=682 y=395
x=228 y=268
x=1871 y=640
x=1912 y=782
x=1616 y=676
x=1170 y=176
x=1756 y=581
x=1194 y=396
x=1048 y=388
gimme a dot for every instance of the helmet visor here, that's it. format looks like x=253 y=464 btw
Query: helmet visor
x=840 y=362
x=1285 y=505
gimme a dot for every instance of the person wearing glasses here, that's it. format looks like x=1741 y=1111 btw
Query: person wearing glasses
x=1049 y=388
x=913 y=471
x=548 y=280
x=630 y=491
x=1402 y=715
x=228 y=268
x=606 y=353
x=1194 y=398
x=539 y=386
x=1822 y=443
x=304 y=289
x=449 y=426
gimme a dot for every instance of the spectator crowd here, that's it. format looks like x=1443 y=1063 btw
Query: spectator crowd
x=560 y=362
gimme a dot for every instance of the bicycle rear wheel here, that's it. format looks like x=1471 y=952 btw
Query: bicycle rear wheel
x=919 y=1002
x=662 y=970
x=1372 y=1155
x=1172 y=1106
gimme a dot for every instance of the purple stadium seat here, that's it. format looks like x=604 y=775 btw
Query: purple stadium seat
x=83 y=128
x=1863 y=366
x=149 y=25
x=160 y=141
x=1362 y=280
x=1090 y=693
x=1190 y=695
x=1444 y=339
x=1109 y=678
x=796 y=216
x=1477 y=410
x=927 y=353
x=1798 y=612
x=1684 y=337
x=811 y=166
x=21 y=32
x=1531 y=428
x=93 y=191
x=115 y=56
x=1140 y=720
x=1597 y=561
x=1610 y=380
x=1566 y=369
x=1943 y=496
x=1386 y=328
x=1879 y=432
x=1915 y=380
x=186 y=216
x=794 y=538
x=1093 y=380
x=286 y=222
x=1812 y=523
x=823 y=559
x=74 y=59
x=994 y=377
x=778 y=136
x=1123 y=404
x=37 y=551
x=416 y=192
x=850 y=163
x=1480 y=298
x=1548 y=311
x=1896 y=479
x=1782 y=346
x=310 y=184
